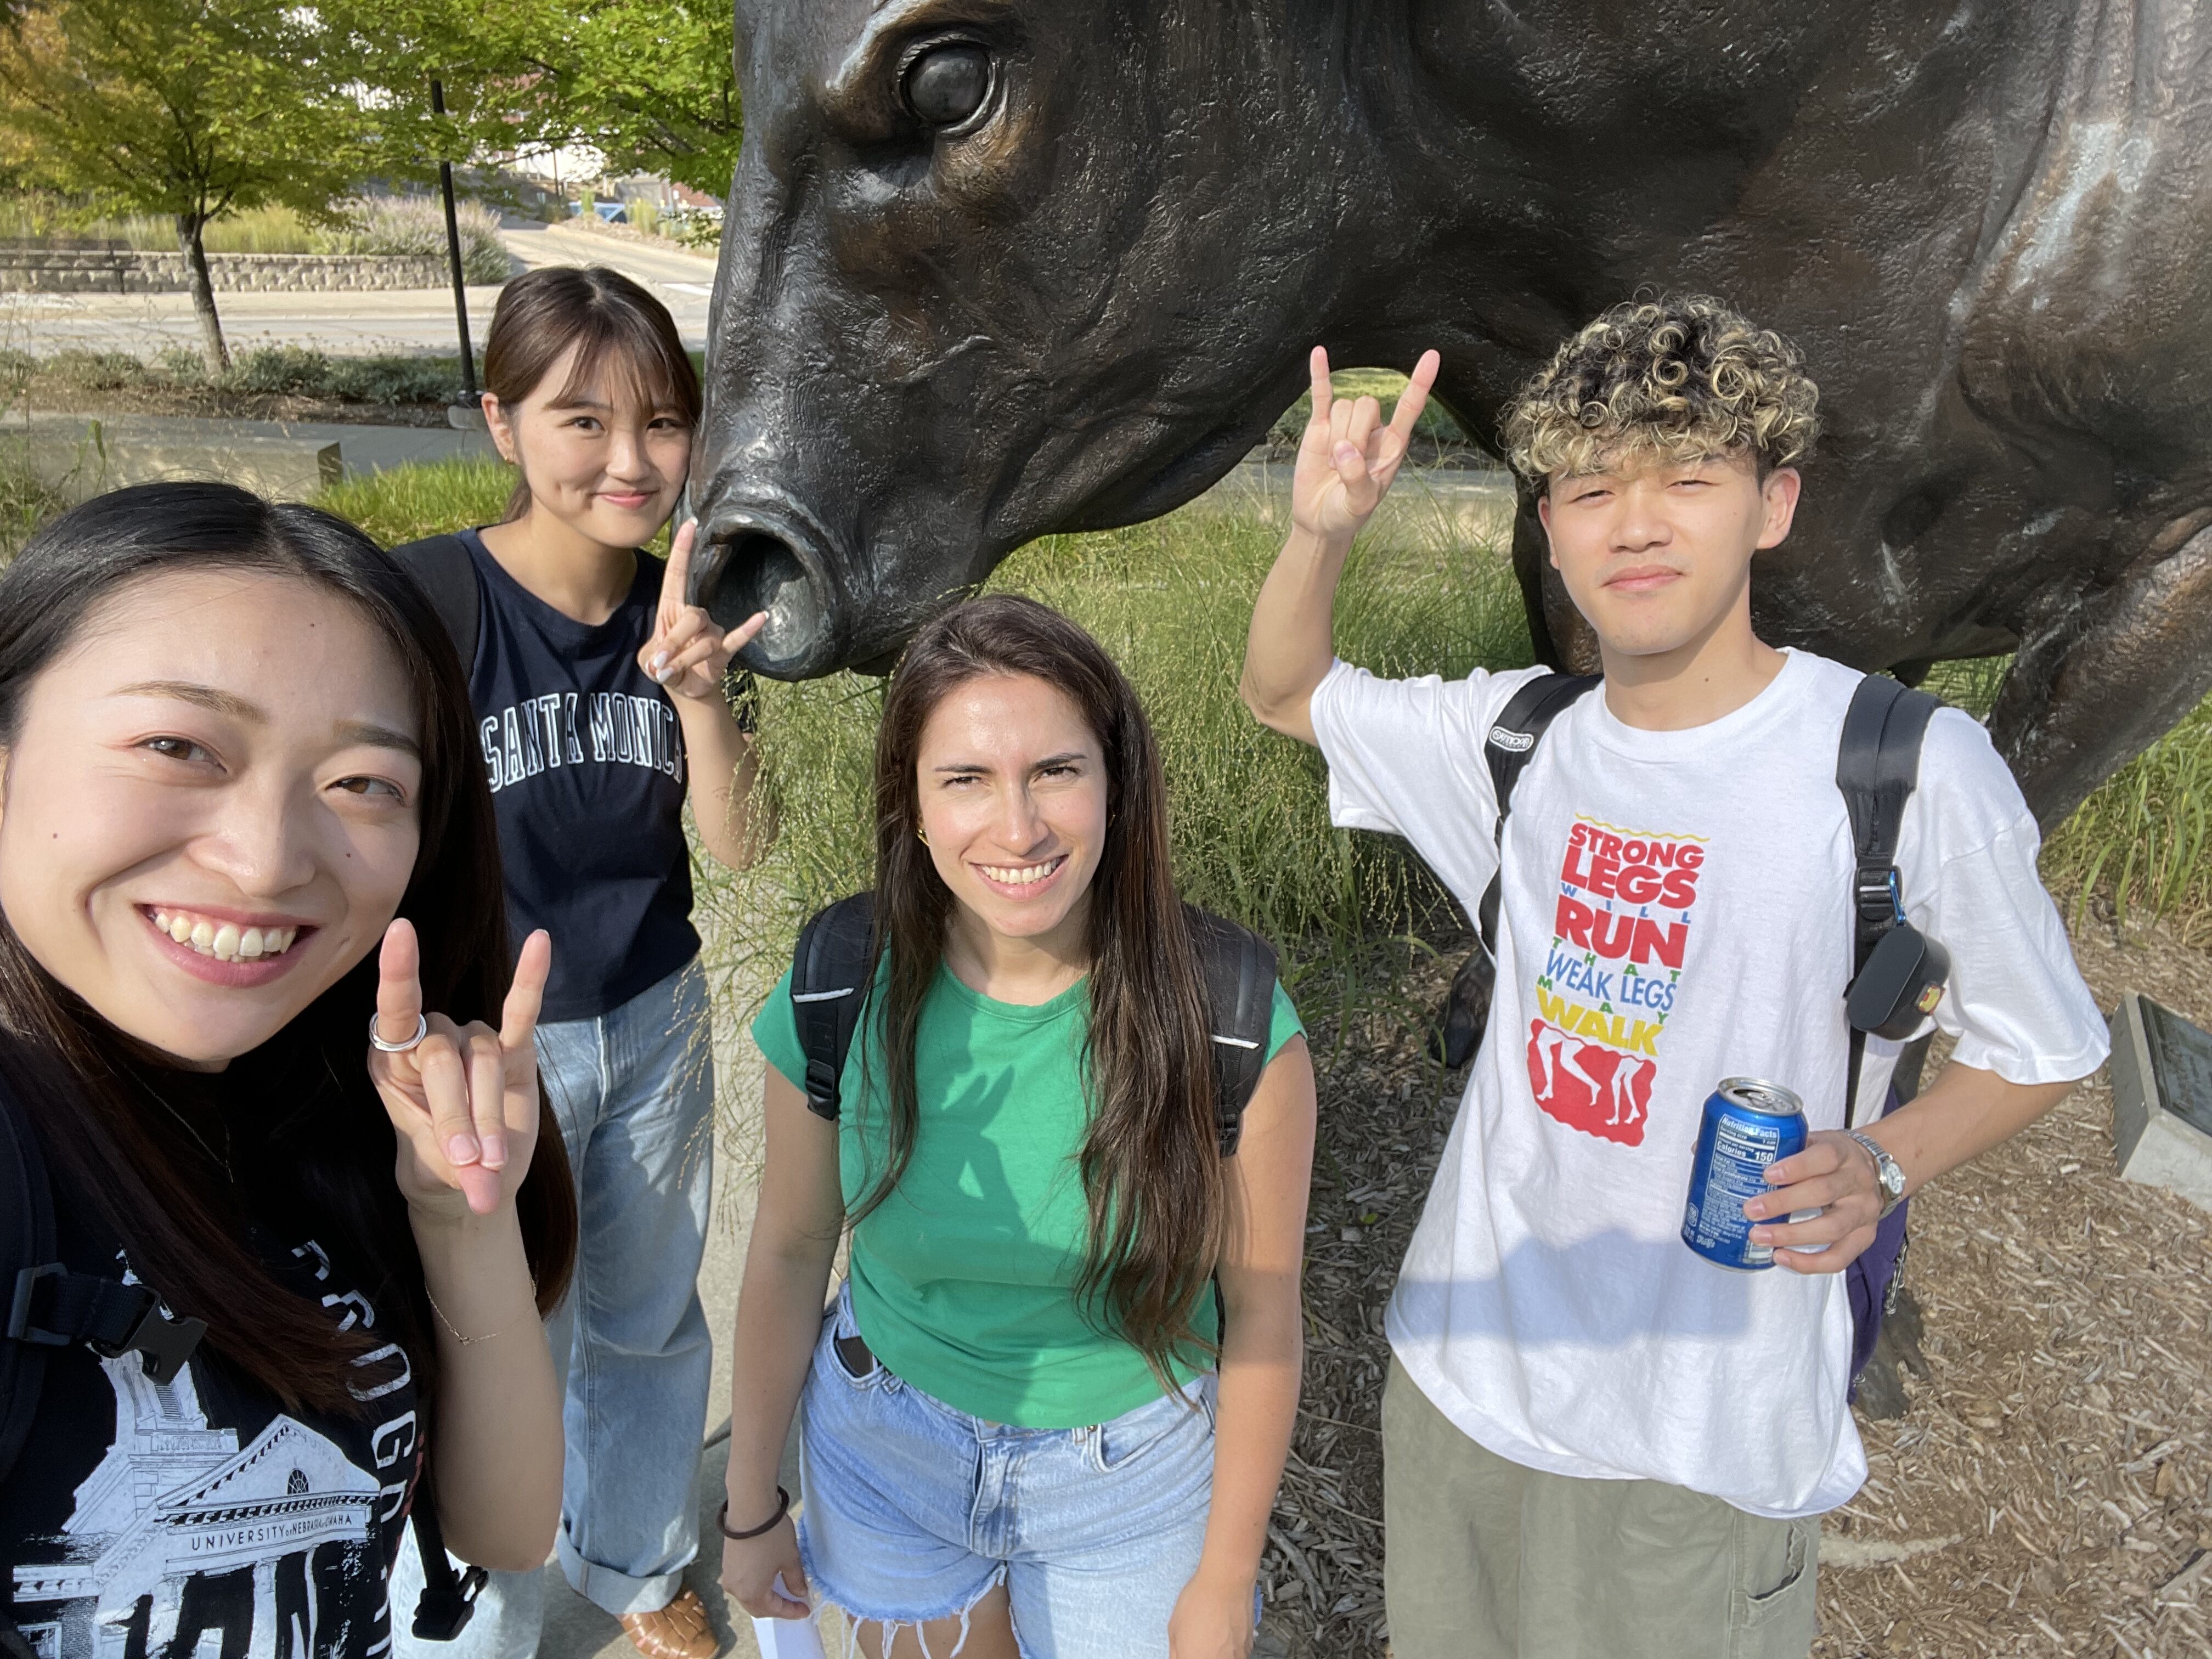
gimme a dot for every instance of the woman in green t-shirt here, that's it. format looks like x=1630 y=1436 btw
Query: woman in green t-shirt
x=1020 y=1436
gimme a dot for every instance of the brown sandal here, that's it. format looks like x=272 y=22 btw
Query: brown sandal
x=679 y=1631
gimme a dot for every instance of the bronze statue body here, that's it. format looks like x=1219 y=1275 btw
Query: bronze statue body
x=995 y=268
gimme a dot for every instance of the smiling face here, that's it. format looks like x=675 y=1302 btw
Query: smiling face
x=602 y=456
x=1014 y=798
x=1656 y=554
x=209 y=814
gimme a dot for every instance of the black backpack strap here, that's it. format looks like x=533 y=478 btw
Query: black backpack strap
x=448 y=1601
x=832 y=967
x=1877 y=768
x=443 y=568
x=1510 y=746
x=1239 y=968
x=43 y=1304
x=27 y=1238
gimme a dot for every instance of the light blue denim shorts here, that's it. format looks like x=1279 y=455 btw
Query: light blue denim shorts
x=914 y=1511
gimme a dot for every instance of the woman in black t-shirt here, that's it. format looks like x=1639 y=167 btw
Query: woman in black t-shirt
x=601 y=709
x=252 y=928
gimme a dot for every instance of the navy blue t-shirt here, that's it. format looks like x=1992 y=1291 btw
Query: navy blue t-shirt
x=585 y=760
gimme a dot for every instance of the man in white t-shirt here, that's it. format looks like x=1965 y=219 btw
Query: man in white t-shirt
x=1597 y=1442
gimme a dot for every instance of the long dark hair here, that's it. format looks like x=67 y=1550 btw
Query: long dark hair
x=317 y=1153
x=1151 y=1161
x=609 y=319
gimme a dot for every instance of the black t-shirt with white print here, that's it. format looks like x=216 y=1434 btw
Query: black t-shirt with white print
x=145 y=1520
x=588 y=772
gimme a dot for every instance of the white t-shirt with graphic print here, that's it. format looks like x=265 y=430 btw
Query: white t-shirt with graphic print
x=1675 y=911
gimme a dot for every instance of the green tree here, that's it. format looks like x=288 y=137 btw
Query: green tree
x=650 y=84
x=187 y=107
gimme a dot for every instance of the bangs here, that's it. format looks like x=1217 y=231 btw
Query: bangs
x=619 y=354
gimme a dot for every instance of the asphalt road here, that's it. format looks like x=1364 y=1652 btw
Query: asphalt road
x=349 y=324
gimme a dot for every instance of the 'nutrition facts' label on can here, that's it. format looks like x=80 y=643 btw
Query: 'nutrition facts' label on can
x=1749 y=1124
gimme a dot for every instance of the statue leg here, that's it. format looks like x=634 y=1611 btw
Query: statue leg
x=1556 y=630
x=2100 y=683
x=1456 y=1032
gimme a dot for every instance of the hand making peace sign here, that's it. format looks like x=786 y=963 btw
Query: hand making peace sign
x=687 y=655
x=1347 y=457
x=464 y=1098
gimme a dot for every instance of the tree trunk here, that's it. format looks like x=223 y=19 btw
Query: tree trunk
x=202 y=287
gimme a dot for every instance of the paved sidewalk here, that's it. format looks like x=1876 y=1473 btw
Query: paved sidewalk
x=350 y=324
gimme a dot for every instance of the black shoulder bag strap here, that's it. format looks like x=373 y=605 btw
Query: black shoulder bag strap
x=49 y=1306
x=1240 y=969
x=832 y=967
x=446 y=575
x=26 y=1239
x=1510 y=747
x=448 y=1601
x=1877 y=768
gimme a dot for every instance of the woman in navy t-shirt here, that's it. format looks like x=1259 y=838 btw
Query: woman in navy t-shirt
x=601 y=709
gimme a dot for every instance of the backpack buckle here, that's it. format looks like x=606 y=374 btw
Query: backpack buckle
x=162 y=1344
x=1880 y=895
x=20 y=1327
x=821 y=1087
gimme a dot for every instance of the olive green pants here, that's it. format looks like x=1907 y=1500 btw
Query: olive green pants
x=1485 y=1560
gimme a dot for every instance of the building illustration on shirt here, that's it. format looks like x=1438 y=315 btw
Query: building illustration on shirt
x=1610 y=978
x=183 y=1543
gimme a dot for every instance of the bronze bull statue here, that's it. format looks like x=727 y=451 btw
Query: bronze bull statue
x=996 y=268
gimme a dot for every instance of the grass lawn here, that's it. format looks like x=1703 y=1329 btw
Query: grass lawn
x=1172 y=599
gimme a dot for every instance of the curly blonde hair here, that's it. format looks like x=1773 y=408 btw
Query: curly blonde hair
x=1677 y=378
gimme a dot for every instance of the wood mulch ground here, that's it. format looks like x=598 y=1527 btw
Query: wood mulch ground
x=2044 y=1490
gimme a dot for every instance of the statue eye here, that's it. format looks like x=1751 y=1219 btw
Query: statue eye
x=947 y=84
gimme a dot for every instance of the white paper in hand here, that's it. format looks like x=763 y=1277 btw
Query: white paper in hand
x=787 y=1639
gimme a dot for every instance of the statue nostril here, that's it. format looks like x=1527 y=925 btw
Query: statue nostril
x=762 y=572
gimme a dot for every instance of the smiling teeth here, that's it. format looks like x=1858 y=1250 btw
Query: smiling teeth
x=1019 y=875
x=224 y=940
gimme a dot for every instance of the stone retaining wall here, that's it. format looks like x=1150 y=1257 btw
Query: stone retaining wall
x=94 y=270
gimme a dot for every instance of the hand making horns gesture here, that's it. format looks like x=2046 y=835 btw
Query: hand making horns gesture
x=687 y=655
x=465 y=1097
x=1348 y=457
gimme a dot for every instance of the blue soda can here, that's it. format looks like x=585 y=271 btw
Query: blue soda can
x=1749 y=1124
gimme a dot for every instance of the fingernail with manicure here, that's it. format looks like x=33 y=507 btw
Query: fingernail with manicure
x=461 y=1149
x=660 y=662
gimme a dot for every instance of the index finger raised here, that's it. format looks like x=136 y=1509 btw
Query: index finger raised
x=675 y=580
x=1318 y=364
x=399 y=982
x=1415 y=397
x=518 y=1017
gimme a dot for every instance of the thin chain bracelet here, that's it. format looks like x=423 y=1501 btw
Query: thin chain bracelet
x=464 y=1341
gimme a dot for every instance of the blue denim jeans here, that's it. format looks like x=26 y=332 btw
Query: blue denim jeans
x=913 y=1509
x=634 y=1090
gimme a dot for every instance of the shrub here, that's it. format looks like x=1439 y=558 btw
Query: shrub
x=277 y=368
x=96 y=371
x=395 y=380
x=416 y=225
x=257 y=230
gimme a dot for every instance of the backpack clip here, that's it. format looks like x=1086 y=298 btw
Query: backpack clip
x=108 y=1316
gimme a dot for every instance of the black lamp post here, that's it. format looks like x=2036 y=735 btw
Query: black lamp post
x=468 y=411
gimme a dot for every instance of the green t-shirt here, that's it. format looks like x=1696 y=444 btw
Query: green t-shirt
x=963 y=1278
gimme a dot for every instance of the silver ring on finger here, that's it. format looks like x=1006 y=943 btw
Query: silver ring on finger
x=421 y=1030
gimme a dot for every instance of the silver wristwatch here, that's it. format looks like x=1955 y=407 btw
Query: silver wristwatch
x=1887 y=1175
